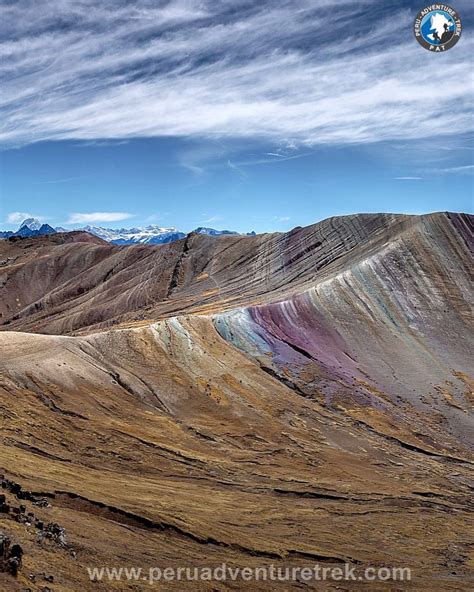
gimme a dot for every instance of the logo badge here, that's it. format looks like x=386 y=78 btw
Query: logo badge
x=437 y=27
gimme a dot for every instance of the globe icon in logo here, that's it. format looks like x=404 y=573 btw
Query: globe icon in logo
x=437 y=27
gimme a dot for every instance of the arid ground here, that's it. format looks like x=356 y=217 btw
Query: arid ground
x=286 y=399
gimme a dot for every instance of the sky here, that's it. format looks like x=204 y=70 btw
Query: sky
x=235 y=114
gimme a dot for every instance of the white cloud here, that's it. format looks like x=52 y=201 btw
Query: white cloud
x=198 y=68
x=153 y=218
x=54 y=181
x=211 y=219
x=95 y=217
x=18 y=217
x=281 y=218
x=407 y=178
x=194 y=168
x=236 y=168
x=466 y=169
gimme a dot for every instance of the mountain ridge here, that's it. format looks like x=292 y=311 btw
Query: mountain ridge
x=151 y=234
x=110 y=273
x=244 y=399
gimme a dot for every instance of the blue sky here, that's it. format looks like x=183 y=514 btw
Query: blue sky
x=243 y=115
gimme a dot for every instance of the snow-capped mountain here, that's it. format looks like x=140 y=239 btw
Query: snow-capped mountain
x=212 y=231
x=33 y=227
x=31 y=223
x=152 y=234
x=29 y=227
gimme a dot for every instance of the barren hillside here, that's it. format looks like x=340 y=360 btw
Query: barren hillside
x=283 y=398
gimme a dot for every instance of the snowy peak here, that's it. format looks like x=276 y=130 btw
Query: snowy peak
x=213 y=231
x=33 y=227
x=151 y=234
x=31 y=223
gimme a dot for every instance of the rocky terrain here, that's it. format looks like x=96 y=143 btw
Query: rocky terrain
x=292 y=399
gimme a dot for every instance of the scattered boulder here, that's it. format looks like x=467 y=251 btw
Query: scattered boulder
x=14 y=560
x=4 y=507
x=55 y=533
x=22 y=494
x=4 y=545
x=10 y=556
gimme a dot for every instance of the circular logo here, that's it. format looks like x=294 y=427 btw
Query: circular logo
x=437 y=27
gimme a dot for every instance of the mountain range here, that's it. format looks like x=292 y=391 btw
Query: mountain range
x=285 y=399
x=29 y=227
x=152 y=234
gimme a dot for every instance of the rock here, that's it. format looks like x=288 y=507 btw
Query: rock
x=4 y=507
x=10 y=556
x=4 y=545
x=54 y=532
x=14 y=565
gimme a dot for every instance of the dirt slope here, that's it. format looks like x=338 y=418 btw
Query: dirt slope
x=286 y=399
x=56 y=286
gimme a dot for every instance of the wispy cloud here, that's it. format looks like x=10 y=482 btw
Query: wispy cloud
x=18 y=217
x=272 y=160
x=153 y=218
x=466 y=169
x=210 y=219
x=101 y=143
x=200 y=68
x=194 y=168
x=408 y=178
x=197 y=158
x=54 y=181
x=95 y=217
x=236 y=168
x=281 y=218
